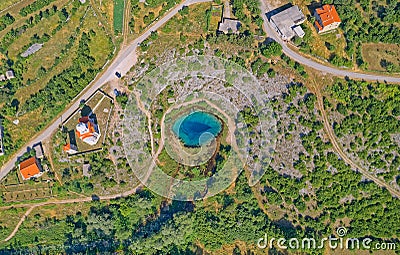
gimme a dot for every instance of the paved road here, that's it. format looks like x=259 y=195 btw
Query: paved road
x=124 y=61
x=315 y=65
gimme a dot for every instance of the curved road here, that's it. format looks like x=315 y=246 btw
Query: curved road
x=124 y=61
x=315 y=65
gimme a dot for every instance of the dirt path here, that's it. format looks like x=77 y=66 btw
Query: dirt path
x=20 y=223
x=127 y=19
x=50 y=158
x=68 y=201
x=148 y=115
x=18 y=5
x=338 y=149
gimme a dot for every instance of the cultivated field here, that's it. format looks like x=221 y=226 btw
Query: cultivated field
x=118 y=15
x=215 y=18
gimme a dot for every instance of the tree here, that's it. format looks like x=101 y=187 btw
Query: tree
x=272 y=48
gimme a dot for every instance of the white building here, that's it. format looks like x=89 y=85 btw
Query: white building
x=287 y=22
x=88 y=131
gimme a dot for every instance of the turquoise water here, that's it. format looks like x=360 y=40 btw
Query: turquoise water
x=197 y=128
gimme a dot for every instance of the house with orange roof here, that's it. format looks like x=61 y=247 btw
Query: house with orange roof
x=87 y=130
x=30 y=168
x=70 y=148
x=327 y=18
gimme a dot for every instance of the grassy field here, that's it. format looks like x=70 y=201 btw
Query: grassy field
x=46 y=57
x=327 y=44
x=193 y=24
x=44 y=220
x=6 y=3
x=106 y=8
x=118 y=15
x=376 y=53
x=8 y=220
x=27 y=191
x=139 y=16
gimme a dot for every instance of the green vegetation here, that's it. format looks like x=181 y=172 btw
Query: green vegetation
x=6 y=20
x=369 y=123
x=270 y=49
x=307 y=200
x=248 y=12
x=295 y=65
x=144 y=14
x=35 y=6
x=370 y=23
x=260 y=67
x=64 y=87
x=307 y=191
x=118 y=18
x=141 y=224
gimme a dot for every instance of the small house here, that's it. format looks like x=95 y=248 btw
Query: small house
x=327 y=18
x=30 y=168
x=10 y=74
x=229 y=26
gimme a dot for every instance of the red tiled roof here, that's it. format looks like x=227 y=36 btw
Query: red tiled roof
x=328 y=15
x=29 y=168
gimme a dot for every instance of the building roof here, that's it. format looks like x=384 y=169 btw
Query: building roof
x=299 y=31
x=32 y=49
x=38 y=150
x=10 y=74
x=67 y=147
x=70 y=148
x=287 y=19
x=29 y=168
x=87 y=130
x=328 y=15
x=229 y=25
